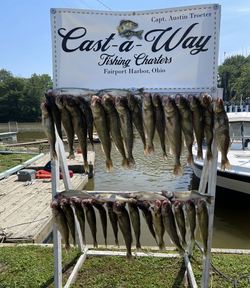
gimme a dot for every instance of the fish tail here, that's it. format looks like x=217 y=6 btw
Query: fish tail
x=139 y=34
x=225 y=164
x=150 y=149
x=54 y=155
x=199 y=154
x=117 y=243
x=205 y=252
x=109 y=165
x=138 y=246
x=209 y=155
x=184 y=243
x=71 y=155
x=106 y=244
x=191 y=246
x=181 y=251
x=131 y=162
x=165 y=156
x=156 y=241
x=162 y=246
x=84 y=240
x=67 y=248
x=190 y=159
x=145 y=149
x=129 y=257
x=86 y=166
x=95 y=244
x=125 y=163
x=177 y=170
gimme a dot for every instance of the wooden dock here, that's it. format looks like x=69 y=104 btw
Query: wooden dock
x=25 y=213
x=45 y=141
x=76 y=165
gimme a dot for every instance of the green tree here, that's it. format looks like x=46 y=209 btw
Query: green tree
x=20 y=98
x=11 y=91
x=36 y=86
x=234 y=75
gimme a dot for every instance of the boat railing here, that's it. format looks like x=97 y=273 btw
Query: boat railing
x=237 y=108
x=9 y=134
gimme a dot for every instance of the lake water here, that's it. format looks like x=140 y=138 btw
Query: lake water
x=231 y=227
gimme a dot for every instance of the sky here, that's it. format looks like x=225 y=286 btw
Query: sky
x=25 y=33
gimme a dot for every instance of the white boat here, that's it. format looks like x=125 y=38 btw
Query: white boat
x=237 y=179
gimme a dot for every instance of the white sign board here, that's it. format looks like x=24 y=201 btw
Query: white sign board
x=167 y=49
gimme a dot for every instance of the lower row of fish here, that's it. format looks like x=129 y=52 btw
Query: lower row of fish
x=162 y=212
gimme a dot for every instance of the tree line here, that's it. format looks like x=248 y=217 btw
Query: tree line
x=20 y=98
x=234 y=78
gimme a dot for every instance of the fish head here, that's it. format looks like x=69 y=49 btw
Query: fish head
x=55 y=208
x=193 y=101
x=54 y=205
x=177 y=205
x=219 y=106
x=69 y=102
x=166 y=206
x=166 y=102
x=64 y=201
x=118 y=206
x=50 y=99
x=132 y=101
x=190 y=204
x=74 y=200
x=85 y=203
x=108 y=102
x=128 y=24
x=156 y=100
x=59 y=101
x=182 y=102
x=44 y=108
x=143 y=204
x=170 y=105
x=109 y=205
x=157 y=206
x=147 y=100
x=201 y=204
x=80 y=100
x=120 y=103
x=205 y=99
x=96 y=104
x=178 y=99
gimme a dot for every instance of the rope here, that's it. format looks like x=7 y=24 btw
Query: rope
x=224 y=276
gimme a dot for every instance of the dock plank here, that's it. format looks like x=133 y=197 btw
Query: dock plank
x=25 y=213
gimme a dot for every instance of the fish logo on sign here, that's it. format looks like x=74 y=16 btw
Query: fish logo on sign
x=126 y=29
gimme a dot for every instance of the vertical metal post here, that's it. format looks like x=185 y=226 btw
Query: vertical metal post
x=56 y=234
x=212 y=177
x=68 y=185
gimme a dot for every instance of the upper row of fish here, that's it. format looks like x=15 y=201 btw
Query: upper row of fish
x=114 y=113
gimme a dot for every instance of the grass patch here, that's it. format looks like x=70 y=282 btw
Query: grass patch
x=32 y=266
x=7 y=162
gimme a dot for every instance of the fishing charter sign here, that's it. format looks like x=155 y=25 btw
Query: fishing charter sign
x=166 y=49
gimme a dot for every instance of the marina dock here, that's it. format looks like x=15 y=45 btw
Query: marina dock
x=76 y=165
x=25 y=213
